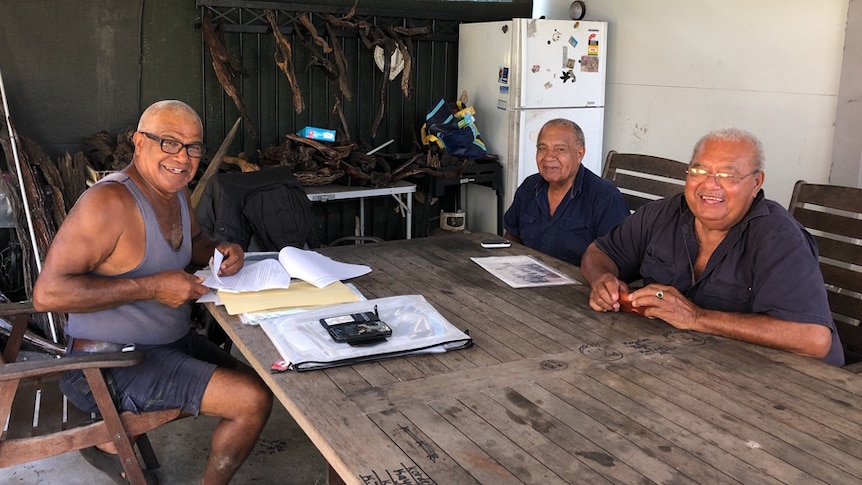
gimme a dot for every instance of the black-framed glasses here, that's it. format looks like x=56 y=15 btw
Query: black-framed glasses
x=724 y=179
x=172 y=147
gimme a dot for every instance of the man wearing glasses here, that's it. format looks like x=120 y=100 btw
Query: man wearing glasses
x=117 y=266
x=721 y=258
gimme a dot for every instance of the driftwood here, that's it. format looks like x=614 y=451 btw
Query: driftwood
x=214 y=164
x=44 y=226
x=73 y=171
x=305 y=20
x=226 y=69
x=317 y=58
x=341 y=65
x=284 y=60
x=388 y=48
x=242 y=162
x=53 y=179
x=407 y=55
x=336 y=108
x=109 y=153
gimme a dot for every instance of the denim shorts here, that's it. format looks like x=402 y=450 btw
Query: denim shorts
x=172 y=376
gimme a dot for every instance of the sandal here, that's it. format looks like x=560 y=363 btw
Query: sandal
x=111 y=466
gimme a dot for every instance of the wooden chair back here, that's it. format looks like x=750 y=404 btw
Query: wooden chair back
x=33 y=407
x=833 y=215
x=644 y=178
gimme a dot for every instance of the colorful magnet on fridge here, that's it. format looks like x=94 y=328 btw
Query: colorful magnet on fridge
x=535 y=68
x=589 y=64
x=573 y=41
x=593 y=45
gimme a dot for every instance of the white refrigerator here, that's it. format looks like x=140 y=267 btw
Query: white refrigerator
x=520 y=73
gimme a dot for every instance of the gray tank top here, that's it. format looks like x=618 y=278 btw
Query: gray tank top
x=148 y=321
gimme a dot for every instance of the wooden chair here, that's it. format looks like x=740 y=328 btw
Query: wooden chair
x=833 y=214
x=644 y=178
x=38 y=427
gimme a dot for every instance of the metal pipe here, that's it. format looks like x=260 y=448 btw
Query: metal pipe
x=25 y=202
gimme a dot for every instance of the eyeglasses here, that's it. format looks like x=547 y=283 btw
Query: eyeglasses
x=172 y=147
x=724 y=179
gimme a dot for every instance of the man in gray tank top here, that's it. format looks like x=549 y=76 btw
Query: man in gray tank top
x=117 y=267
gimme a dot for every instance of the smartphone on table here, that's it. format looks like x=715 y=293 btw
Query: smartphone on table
x=496 y=243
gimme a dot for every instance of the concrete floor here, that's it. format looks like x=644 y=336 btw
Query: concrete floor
x=283 y=455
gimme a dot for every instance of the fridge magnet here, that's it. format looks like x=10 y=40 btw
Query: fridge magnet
x=570 y=64
x=556 y=35
x=503 y=75
x=548 y=85
x=568 y=76
x=504 y=89
x=573 y=41
x=593 y=45
x=502 y=104
x=589 y=64
x=536 y=68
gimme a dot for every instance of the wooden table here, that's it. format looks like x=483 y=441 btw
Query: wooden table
x=553 y=392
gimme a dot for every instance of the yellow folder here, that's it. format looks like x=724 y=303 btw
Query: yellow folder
x=300 y=295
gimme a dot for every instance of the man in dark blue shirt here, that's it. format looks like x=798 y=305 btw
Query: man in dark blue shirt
x=563 y=208
x=720 y=259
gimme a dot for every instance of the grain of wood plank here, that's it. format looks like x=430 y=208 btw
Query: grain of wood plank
x=708 y=416
x=708 y=463
x=428 y=455
x=548 y=440
x=595 y=440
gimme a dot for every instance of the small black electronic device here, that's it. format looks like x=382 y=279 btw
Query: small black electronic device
x=357 y=328
x=496 y=243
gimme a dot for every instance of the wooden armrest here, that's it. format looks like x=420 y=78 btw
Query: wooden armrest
x=35 y=368
x=17 y=308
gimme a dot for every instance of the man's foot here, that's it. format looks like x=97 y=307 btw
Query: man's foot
x=111 y=466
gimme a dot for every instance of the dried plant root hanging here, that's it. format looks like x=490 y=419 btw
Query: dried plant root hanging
x=284 y=60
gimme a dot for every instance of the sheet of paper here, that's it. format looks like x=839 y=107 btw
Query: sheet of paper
x=262 y=275
x=300 y=295
x=316 y=268
x=523 y=271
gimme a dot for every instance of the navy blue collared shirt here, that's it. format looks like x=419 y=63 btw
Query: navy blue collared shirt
x=592 y=207
x=767 y=263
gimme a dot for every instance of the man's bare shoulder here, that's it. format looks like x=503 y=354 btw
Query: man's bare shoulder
x=105 y=199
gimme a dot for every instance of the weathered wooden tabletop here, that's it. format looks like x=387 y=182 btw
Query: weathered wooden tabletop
x=553 y=392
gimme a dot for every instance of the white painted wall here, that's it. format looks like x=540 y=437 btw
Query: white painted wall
x=680 y=68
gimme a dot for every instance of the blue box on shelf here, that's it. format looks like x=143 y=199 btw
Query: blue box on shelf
x=320 y=134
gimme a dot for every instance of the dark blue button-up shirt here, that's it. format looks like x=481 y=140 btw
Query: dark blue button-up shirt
x=591 y=208
x=767 y=263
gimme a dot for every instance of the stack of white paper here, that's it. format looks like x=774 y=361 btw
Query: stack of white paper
x=268 y=274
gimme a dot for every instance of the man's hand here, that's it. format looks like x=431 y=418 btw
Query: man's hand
x=234 y=258
x=174 y=288
x=666 y=303
x=605 y=293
